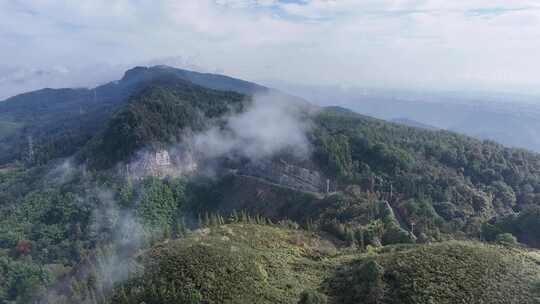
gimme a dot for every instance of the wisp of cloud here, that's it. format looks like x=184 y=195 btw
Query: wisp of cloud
x=269 y=126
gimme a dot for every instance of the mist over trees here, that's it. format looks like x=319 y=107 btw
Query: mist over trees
x=86 y=229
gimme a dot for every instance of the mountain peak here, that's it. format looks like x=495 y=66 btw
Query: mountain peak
x=134 y=72
x=141 y=73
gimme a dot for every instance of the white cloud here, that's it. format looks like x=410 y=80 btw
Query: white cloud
x=254 y=134
x=405 y=43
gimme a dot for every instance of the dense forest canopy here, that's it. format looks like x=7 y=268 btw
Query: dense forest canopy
x=76 y=228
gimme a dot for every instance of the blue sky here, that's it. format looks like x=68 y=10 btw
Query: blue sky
x=427 y=44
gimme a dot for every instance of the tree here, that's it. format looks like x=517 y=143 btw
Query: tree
x=369 y=286
x=158 y=206
x=126 y=194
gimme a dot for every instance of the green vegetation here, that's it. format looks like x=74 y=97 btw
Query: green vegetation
x=523 y=225
x=452 y=272
x=51 y=123
x=235 y=263
x=247 y=263
x=160 y=202
x=52 y=225
x=506 y=239
x=8 y=126
x=438 y=181
x=61 y=121
x=312 y=297
x=157 y=116
x=79 y=231
x=20 y=280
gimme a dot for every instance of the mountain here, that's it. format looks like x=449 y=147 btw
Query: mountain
x=211 y=81
x=182 y=192
x=50 y=120
x=156 y=115
x=412 y=123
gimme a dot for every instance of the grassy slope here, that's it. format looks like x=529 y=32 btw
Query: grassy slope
x=246 y=263
x=458 y=272
x=449 y=272
x=238 y=263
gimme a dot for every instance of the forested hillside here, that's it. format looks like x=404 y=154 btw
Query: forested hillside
x=146 y=199
x=157 y=116
x=456 y=181
x=50 y=123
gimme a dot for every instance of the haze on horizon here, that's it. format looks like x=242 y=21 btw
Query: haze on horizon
x=411 y=44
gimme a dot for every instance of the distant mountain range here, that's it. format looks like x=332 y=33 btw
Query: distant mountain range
x=510 y=119
x=412 y=123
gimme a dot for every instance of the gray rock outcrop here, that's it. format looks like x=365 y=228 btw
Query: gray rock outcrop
x=282 y=173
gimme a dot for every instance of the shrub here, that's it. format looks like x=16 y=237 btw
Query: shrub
x=396 y=235
x=506 y=239
x=193 y=274
x=312 y=297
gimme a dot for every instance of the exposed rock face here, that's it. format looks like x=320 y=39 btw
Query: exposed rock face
x=163 y=158
x=285 y=174
x=257 y=196
x=161 y=163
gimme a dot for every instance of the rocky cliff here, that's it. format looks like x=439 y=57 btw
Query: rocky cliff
x=161 y=163
x=285 y=174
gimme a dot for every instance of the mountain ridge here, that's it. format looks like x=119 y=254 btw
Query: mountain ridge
x=178 y=176
x=38 y=116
